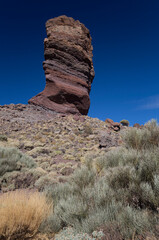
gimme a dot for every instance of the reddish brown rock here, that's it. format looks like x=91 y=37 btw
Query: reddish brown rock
x=137 y=125
x=109 y=121
x=76 y=118
x=106 y=140
x=68 y=67
x=113 y=125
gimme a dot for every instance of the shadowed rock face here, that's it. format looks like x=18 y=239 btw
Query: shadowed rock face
x=68 y=67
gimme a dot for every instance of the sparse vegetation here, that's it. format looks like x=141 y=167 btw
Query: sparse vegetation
x=21 y=213
x=115 y=191
x=121 y=188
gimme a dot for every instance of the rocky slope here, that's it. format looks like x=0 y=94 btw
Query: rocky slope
x=58 y=143
x=49 y=146
x=68 y=67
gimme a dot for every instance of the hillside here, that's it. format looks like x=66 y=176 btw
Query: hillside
x=100 y=177
x=58 y=143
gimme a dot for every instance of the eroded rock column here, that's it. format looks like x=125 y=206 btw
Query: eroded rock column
x=68 y=67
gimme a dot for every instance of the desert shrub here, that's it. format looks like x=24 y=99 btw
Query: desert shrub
x=70 y=233
x=72 y=211
x=124 y=122
x=156 y=184
x=131 y=170
x=95 y=204
x=3 y=138
x=70 y=202
x=137 y=138
x=132 y=221
x=87 y=129
x=145 y=138
x=119 y=188
x=11 y=159
x=120 y=177
x=141 y=196
x=52 y=224
x=99 y=215
x=83 y=177
x=118 y=157
x=84 y=131
x=101 y=194
x=21 y=213
x=143 y=164
x=43 y=181
x=61 y=191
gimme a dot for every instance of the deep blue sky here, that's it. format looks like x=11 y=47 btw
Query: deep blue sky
x=126 y=53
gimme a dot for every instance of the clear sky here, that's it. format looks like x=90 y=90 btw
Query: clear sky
x=126 y=53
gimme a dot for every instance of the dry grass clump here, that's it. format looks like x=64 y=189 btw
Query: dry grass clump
x=21 y=213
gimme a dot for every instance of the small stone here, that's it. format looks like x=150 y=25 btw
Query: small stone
x=106 y=141
x=76 y=118
x=109 y=121
x=28 y=145
x=137 y=125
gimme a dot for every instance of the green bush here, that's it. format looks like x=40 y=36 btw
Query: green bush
x=11 y=159
x=124 y=122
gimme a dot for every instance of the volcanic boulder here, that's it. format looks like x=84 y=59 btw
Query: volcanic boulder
x=68 y=67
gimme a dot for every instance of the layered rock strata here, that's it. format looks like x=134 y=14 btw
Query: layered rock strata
x=68 y=67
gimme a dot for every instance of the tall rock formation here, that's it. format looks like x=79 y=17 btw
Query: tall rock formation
x=68 y=67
